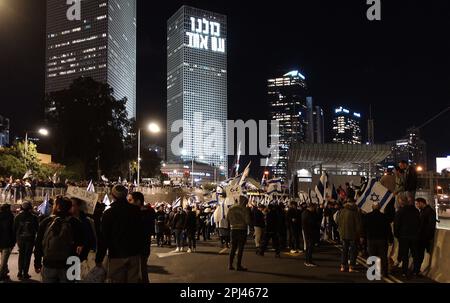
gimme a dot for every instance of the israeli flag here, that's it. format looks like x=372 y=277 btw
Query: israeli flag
x=44 y=208
x=274 y=186
x=176 y=203
x=375 y=192
x=91 y=187
x=325 y=189
x=104 y=179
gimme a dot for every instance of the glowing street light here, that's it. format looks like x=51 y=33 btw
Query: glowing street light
x=154 y=129
x=419 y=169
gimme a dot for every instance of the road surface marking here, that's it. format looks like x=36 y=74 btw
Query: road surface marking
x=170 y=254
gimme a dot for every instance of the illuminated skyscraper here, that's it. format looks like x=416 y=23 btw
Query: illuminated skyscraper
x=346 y=126
x=197 y=84
x=102 y=45
x=4 y=131
x=287 y=101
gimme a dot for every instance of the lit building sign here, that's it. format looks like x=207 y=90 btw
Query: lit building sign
x=357 y=115
x=205 y=35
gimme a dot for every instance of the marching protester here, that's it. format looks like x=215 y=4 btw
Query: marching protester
x=160 y=225
x=258 y=224
x=239 y=217
x=410 y=180
x=350 y=228
x=26 y=225
x=293 y=221
x=178 y=222
x=148 y=222
x=427 y=229
x=7 y=239
x=191 y=228
x=309 y=226
x=379 y=235
x=59 y=237
x=272 y=231
x=122 y=236
x=88 y=227
x=406 y=230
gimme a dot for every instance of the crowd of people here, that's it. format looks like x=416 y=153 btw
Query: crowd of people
x=125 y=230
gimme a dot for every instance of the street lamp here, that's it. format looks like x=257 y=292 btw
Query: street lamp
x=154 y=129
x=42 y=131
x=419 y=169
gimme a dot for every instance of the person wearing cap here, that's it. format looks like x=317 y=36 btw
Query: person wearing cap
x=26 y=225
x=379 y=235
x=122 y=236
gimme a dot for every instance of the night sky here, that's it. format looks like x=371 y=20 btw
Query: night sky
x=400 y=65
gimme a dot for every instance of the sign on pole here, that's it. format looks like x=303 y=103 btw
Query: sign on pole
x=89 y=197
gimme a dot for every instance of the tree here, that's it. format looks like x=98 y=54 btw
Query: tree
x=90 y=126
x=11 y=166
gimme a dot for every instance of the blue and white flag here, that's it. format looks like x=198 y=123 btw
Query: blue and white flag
x=90 y=187
x=44 y=208
x=176 y=203
x=325 y=189
x=104 y=179
x=375 y=192
x=106 y=201
x=274 y=186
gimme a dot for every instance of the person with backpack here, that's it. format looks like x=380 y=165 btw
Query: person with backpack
x=26 y=225
x=59 y=237
x=122 y=235
x=7 y=239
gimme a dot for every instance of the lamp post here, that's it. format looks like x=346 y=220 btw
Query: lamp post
x=154 y=129
x=42 y=131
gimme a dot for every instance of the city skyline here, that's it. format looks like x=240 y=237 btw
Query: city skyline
x=368 y=65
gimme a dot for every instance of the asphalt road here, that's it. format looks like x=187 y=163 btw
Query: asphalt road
x=210 y=264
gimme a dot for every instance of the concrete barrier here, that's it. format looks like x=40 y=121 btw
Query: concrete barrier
x=437 y=265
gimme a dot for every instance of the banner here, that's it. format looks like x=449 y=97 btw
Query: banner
x=90 y=198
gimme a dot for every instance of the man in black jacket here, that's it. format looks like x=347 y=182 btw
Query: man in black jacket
x=258 y=225
x=410 y=180
x=293 y=222
x=406 y=230
x=379 y=235
x=427 y=228
x=191 y=227
x=148 y=221
x=122 y=235
x=26 y=225
x=309 y=228
x=272 y=231
x=7 y=239
x=178 y=222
